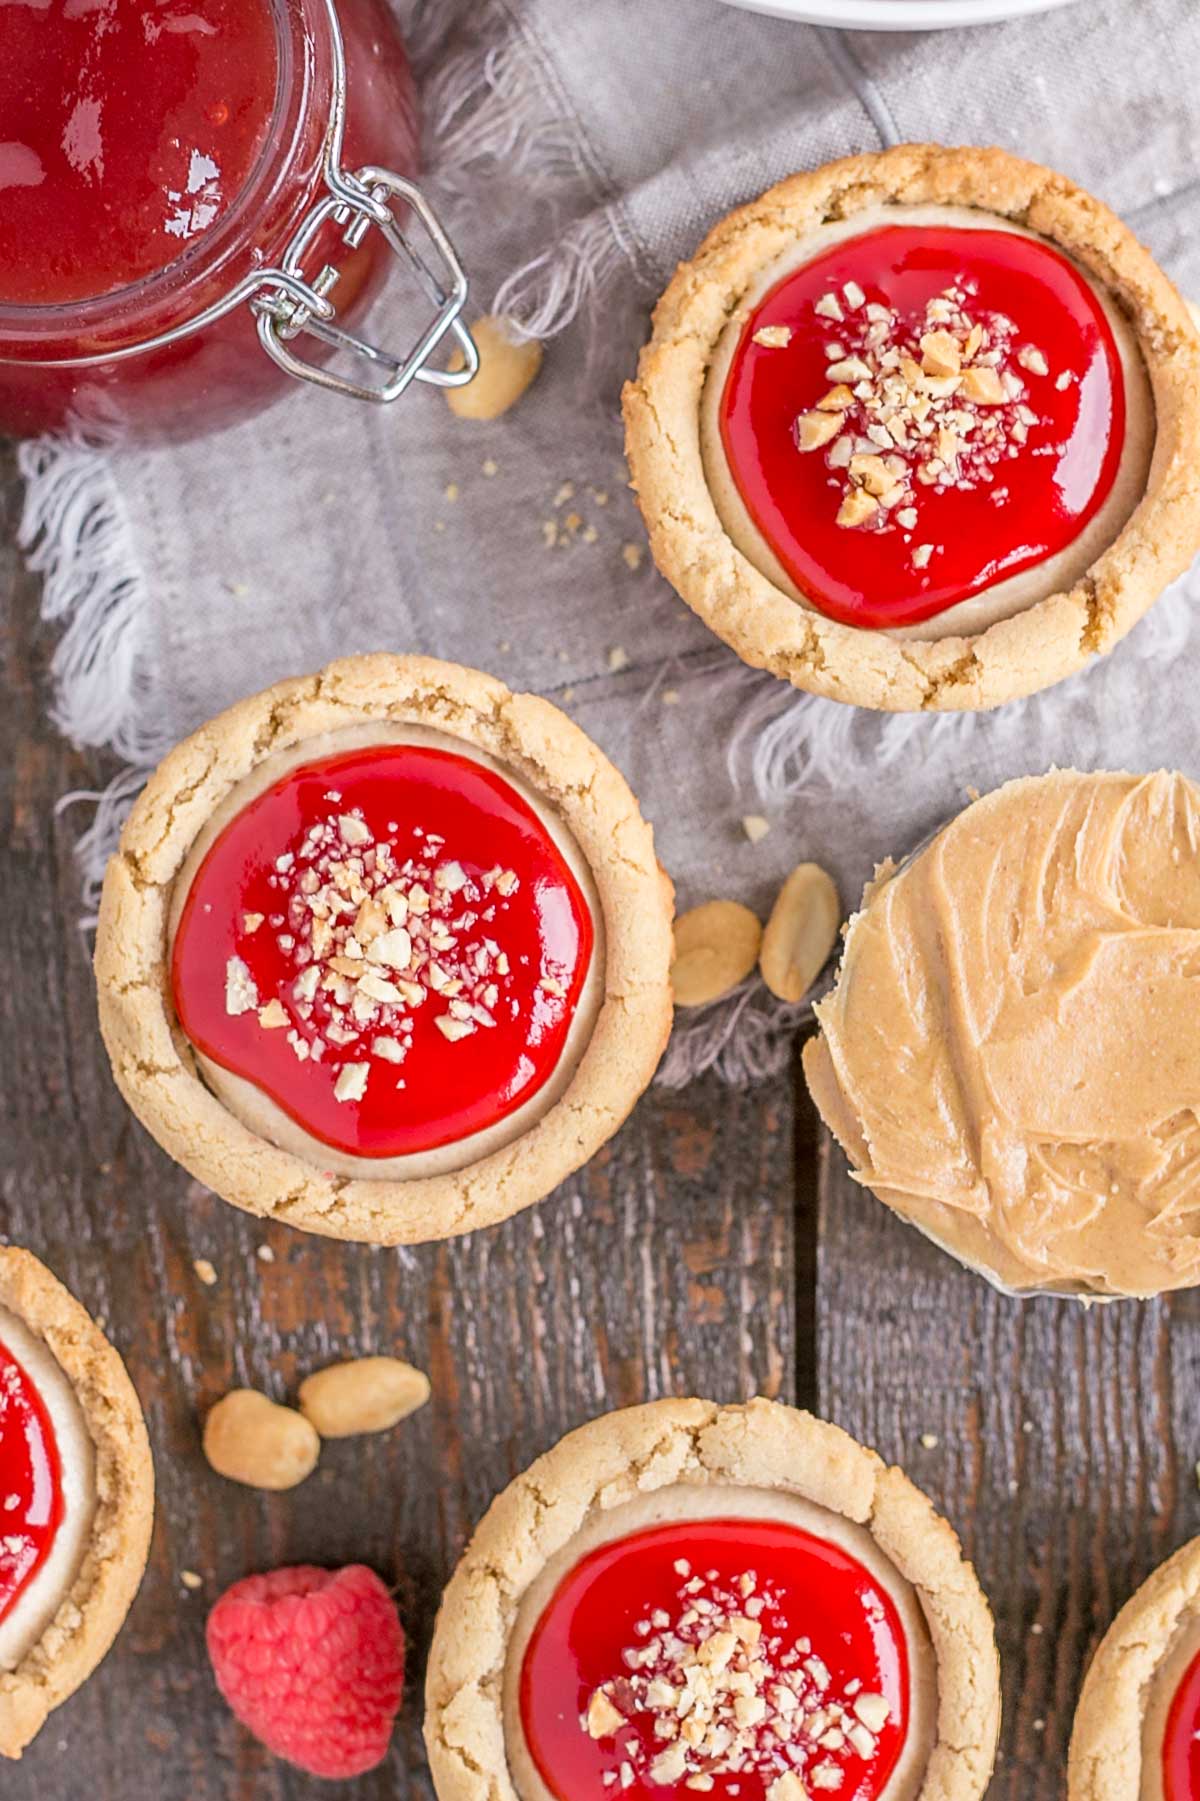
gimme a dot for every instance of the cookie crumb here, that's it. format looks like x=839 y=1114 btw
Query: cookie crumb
x=265 y=1254
x=206 y=1272
x=930 y=1441
x=670 y=697
x=618 y=659
x=452 y=491
x=755 y=827
x=490 y=466
x=191 y=1580
x=565 y=493
x=632 y=553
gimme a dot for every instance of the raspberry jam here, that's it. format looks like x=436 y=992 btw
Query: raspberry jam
x=129 y=128
x=31 y=1499
x=922 y=412
x=389 y=944
x=795 y=1656
x=153 y=155
x=1181 y=1739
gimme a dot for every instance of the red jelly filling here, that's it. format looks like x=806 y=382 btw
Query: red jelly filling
x=720 y=1655
x=129 y=127
x=921 y=412
x=389 y=944
x=31 y=1501
x=1181 y=1739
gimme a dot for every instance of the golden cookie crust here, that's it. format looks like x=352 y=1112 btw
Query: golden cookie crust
x=1105 y=1759
x=765 y=626
x=90 y=1617
x=760 y=1445
x=153 y=1062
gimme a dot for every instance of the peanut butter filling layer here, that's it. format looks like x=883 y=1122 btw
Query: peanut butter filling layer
x=1011 y=1054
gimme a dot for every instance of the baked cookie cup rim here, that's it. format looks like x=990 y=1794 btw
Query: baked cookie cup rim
x=153 y=1062
x=762 y=1444
x=1013 y=657
x=92 y=1613
x=1104 y=1762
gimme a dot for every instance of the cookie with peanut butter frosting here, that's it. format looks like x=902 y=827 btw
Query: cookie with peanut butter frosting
x=1010 y=1056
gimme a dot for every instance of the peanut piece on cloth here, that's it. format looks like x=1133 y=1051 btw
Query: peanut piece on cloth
x=507 y=366
x=716 y=947
x=801 y=932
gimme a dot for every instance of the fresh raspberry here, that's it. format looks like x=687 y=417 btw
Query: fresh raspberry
x=312 y=1661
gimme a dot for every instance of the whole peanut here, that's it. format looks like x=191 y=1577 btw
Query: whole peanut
x=716 y=947
x=507 y=366
x=251 y=1439
x=801 y=932
x=368 y=1394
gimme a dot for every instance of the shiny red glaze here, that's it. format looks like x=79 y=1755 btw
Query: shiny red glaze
x=1181 y=1739
x=30 y=1472
x=449 y=1089
x=827 y=1596
x=96 y=229
x=129 y=128
x=865 y=578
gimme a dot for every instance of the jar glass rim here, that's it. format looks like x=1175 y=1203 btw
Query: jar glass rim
x=302 y=28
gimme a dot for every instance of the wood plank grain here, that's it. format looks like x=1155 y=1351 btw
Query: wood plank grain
x=666 y=1267
x=1060 y=1441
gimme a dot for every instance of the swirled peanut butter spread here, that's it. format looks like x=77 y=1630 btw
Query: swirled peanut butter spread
x=1011 y=1055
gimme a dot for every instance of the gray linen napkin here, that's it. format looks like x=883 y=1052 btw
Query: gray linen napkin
x=579 y=151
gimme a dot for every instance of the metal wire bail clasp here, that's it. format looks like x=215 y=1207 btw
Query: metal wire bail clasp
x=287 y=303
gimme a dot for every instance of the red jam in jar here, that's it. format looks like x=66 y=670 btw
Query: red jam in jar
x=389 y=945
x=31 y=1498
x=153 y=153
x=921 y=412
x=800 y=1654
x=1181 y=1740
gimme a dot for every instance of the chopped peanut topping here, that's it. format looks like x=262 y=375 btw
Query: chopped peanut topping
x=372 y=931
x=719 y=1685
x=940 y=354
x=940 y=410
x=857 y=507
x=984 y=387
x=815 y=429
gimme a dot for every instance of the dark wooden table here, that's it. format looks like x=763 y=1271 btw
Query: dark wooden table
x=717 y=1247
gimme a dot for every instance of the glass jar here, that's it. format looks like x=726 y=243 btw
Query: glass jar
x=269 y=293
